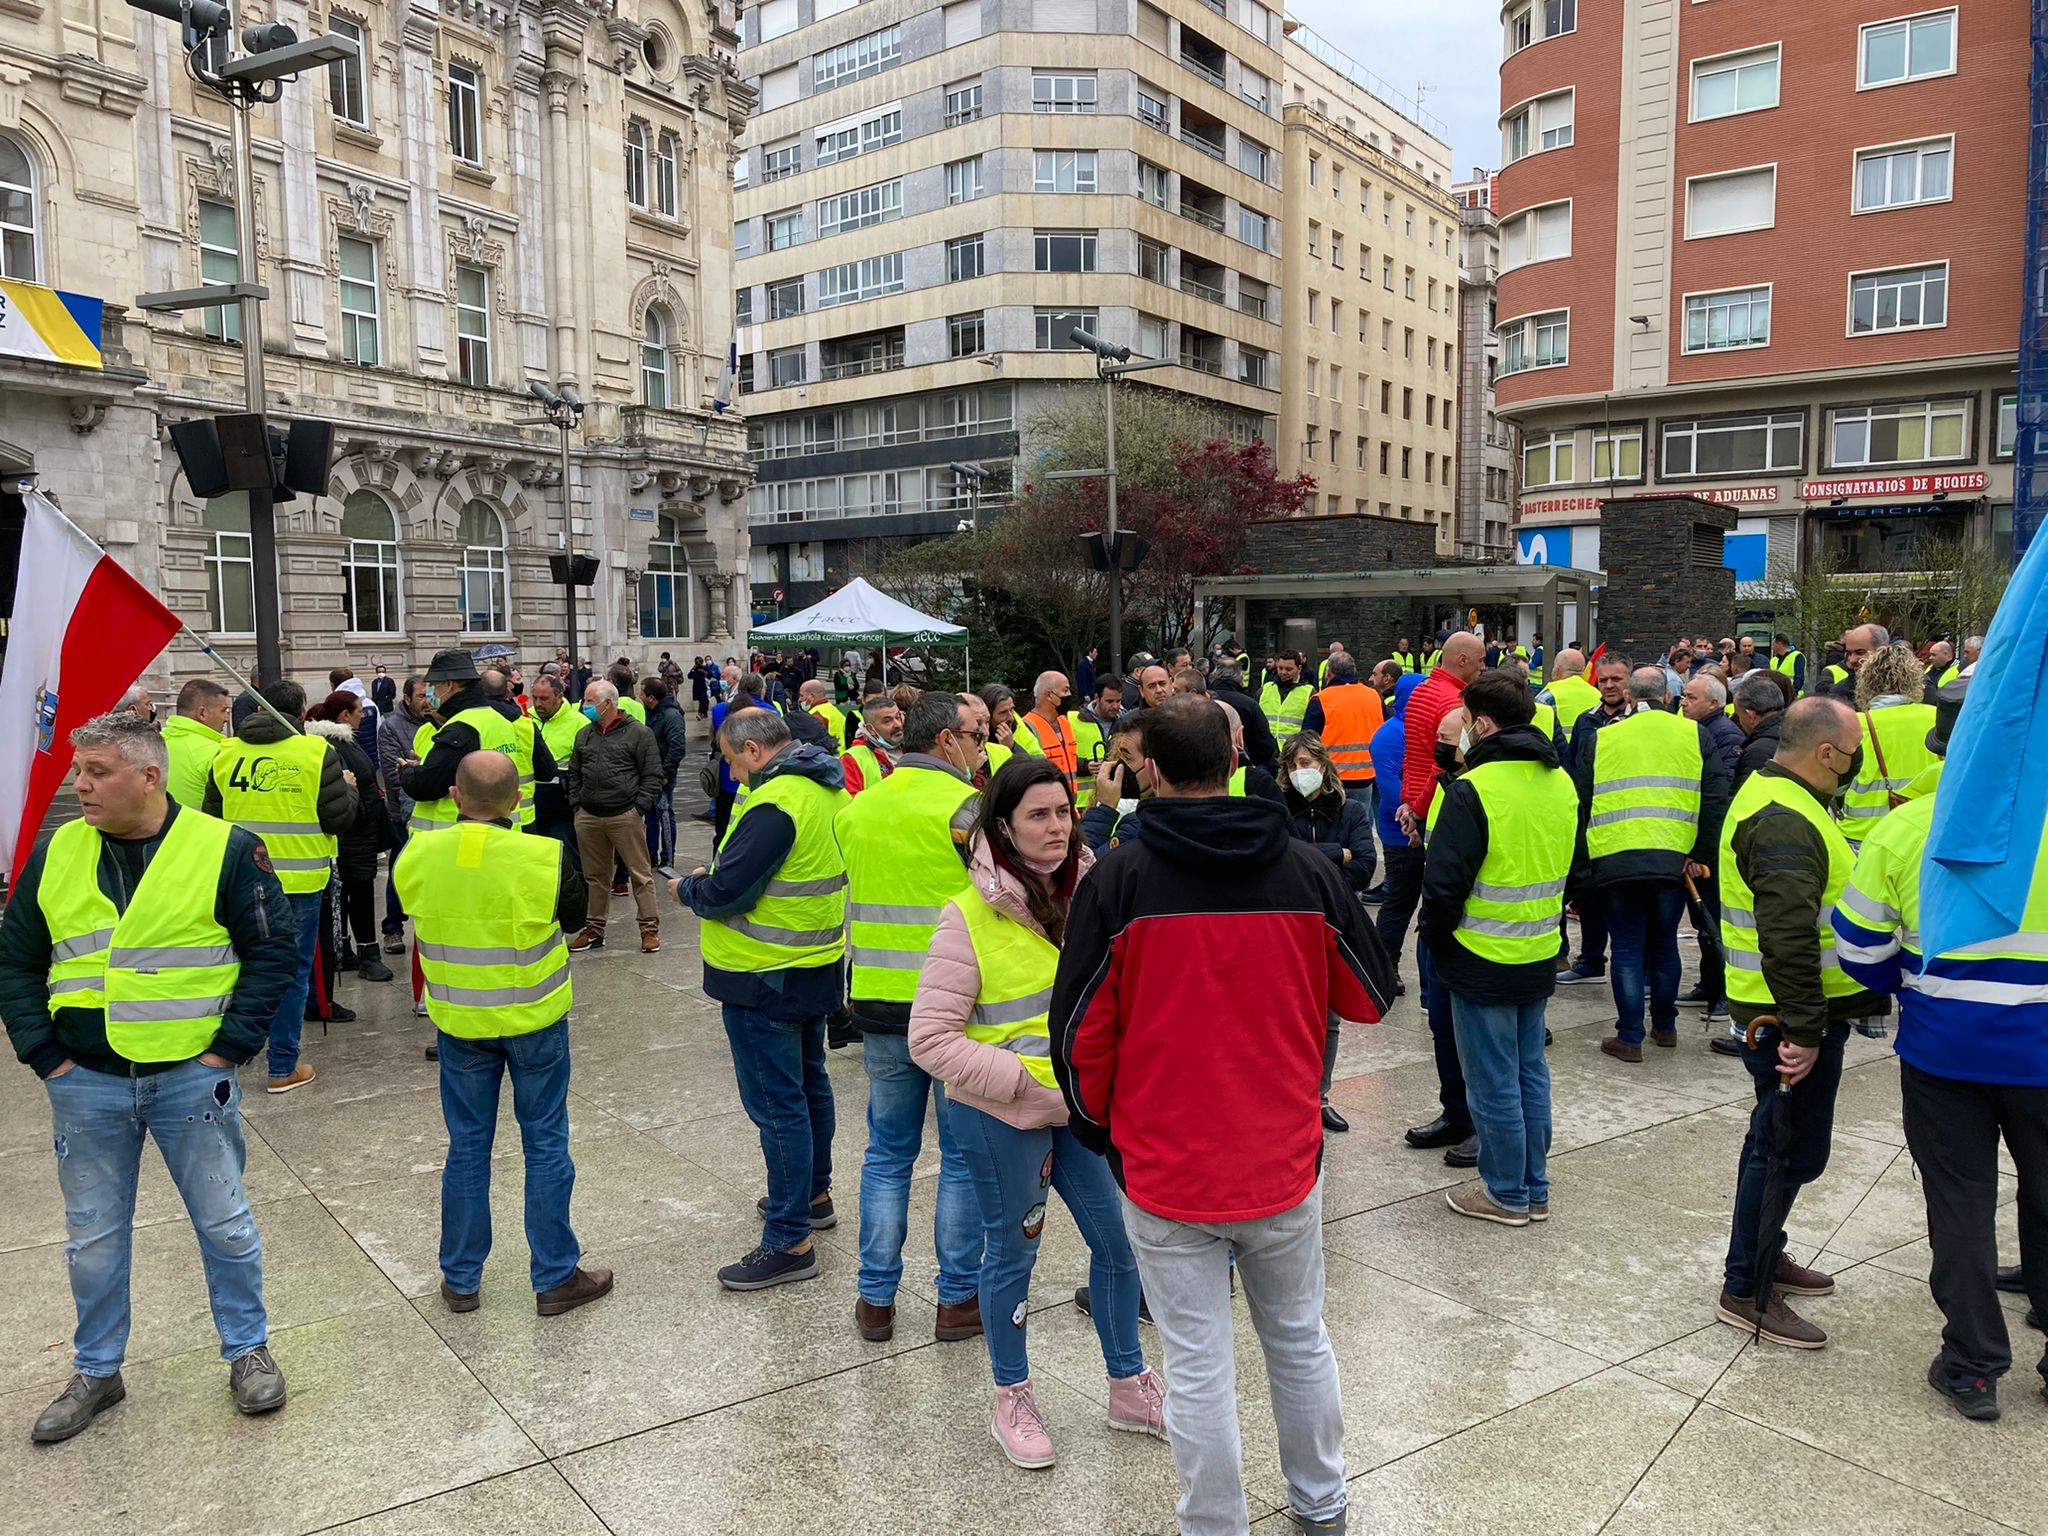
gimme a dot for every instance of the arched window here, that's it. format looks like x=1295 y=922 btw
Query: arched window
x=20 y=233
x=666 y=153
x=230 y=573
x=667 y=594
x=654 y=359
x=482 y=537
x=636 y=163
x=369 y=570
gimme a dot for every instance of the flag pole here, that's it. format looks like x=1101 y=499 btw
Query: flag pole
x=295 y=727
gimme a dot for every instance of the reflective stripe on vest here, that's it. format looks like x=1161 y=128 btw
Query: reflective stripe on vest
x=1532 y=817
x=163 y=971
x=1897 y=734
x=789 y=931
x=1739 y=943
x=1351 y=713
x=1646 y=785
x=482 y=901
x=273 y=790
x=1284 y=710
x=494 y=733
x=901 y=865
x=1091 y=743
x=1017 y=966
x=525 y=731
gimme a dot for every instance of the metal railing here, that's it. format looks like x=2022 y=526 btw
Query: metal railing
x=1200 y=289
x=1195 y=141
x=1208 y=72
x=1201 y=364
x=1202 y=217
x=857 y=367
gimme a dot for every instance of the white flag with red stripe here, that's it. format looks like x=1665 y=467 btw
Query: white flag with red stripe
x=83 y=630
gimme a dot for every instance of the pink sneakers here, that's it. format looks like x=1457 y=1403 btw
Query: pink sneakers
x=1138 y=1404
x=1019 y=1428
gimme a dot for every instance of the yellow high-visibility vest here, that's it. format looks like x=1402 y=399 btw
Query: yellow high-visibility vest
x=1017 y=966
x=273 y=789
x=482 y=901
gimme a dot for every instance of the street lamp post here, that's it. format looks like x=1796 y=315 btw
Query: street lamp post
x=274 y=54
x=1111 y=362
x=563 y=412
x=976 y=477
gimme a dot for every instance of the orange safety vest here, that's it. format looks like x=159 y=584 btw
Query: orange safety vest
x=1351 y=713
x=1061 y=749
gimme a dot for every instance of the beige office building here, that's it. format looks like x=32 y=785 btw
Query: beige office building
x=491 y=194
x=932 y=195
x=1369 y=380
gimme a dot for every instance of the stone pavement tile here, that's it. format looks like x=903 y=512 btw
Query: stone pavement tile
x=1868 y=1103
x=1694 y=1363
x=901 y=1445
x=380 y=1414
x=24 y=1114
x=365 y=1140
x=1893 y=1214
x=311 y=1271
x=1865 y=1399
x=629 y=1190
x=1915 y=1259
x=1726 y=1476
x=1504 y=1477
x=1413 y=1366
x=535 y=1502
x=1612 y=1273
x=1691 y=1163
x=667 y=1343
x=1395 y=1042
x=1596 y=1098
x=35 y=1214
x=647 y=1088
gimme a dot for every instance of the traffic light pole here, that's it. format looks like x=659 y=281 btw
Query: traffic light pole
x=568 y=543
x=1116 y=574
x=262 y=517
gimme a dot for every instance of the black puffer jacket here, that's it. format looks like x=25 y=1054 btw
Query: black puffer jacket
x=370 y=834
x=1334 y=824
x=670 y=737
x=1761 y=747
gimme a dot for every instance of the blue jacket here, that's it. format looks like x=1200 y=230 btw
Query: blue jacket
x=752 y=853
x=1389 y=745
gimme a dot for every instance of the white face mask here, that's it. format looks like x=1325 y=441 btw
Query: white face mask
x=1307 y=782
x=1464 y=742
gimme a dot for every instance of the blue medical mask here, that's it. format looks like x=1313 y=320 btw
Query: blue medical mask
x=590 y=711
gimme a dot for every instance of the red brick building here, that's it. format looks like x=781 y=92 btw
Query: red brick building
x=1768 y=253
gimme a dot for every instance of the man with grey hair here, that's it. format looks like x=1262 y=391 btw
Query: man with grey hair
x=135 y=1000
x=1653 y=790
x=136 y=701
x=612 y=779
x=1972 y=649
x=774 y=920
x=1859 y=644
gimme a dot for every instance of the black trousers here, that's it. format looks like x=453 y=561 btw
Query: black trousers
x=1953 y=1129
x=1404 y=894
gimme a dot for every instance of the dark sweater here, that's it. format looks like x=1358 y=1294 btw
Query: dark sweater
x=249 y=903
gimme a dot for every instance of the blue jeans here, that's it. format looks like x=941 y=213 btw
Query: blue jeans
x=290 y=1019
x=194 y=1113
x=471 y=1071
x=1450 y=1076
x=394 y=909
x=780 y=1065
x=661 y=825
x=1642 y=920
x=1012 y=1170
x=1806 y=1156
x=1507 y=1086
x=897 y=1092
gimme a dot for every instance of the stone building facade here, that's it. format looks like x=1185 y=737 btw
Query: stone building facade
x=499 y=192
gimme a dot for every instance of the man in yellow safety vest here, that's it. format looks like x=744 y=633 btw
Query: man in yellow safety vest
x=144 y=953
x=488 y=908
x=193 y=737
x=291 y=790
x=773 y=906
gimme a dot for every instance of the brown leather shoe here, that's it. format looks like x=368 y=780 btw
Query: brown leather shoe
x=1612 y=1046
x=1667 y=1039
x=877 y=1324
x=650 y=943
x=958 y=1320
x=461 y=1301
x=1798 y=1280
x=589 y=938
x=582 y=1286
x=1780 y=1324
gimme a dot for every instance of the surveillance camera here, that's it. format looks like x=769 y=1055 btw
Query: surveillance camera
x=569 y=394
x=542 y=393
x=1101 y=348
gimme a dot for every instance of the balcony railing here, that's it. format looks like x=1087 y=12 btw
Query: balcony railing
x=1208 y=72
x=1195 y=141
x=1202 y=217
x=856 y=367
x=1200 y=289
x=1202 y=364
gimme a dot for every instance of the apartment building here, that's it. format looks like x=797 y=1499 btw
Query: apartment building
x=1486 y=444
x=487 y=195
x=1369 y=376
x=1769 y=255
x=931 y=196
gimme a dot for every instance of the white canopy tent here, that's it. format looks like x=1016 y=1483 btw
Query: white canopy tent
x=859 y=614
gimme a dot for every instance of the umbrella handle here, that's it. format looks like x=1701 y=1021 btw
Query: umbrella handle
x=1766 y=1021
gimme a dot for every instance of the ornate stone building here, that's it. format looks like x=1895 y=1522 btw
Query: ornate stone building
x=500 y=191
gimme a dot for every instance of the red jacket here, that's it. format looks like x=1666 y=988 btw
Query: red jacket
x=1201 y=961
x=1438 y=695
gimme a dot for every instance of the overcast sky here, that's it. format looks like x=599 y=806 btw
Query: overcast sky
x=1454 y=45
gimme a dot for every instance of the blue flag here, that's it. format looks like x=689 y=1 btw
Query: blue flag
x=1993 y=801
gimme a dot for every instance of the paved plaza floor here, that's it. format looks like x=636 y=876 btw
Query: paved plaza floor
x=1560 y=1378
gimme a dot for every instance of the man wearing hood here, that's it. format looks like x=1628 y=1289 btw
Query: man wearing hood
x=1152 y=1055
x=774 y=914
x=1500 y=849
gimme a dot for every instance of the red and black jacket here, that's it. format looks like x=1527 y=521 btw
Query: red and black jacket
x=1201 y=962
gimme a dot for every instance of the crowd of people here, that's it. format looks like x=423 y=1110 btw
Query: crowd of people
x=1071 y=918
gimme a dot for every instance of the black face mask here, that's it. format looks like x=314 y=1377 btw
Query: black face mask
x=1854 y=771
x=1066 y=703
x=1447 y=756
